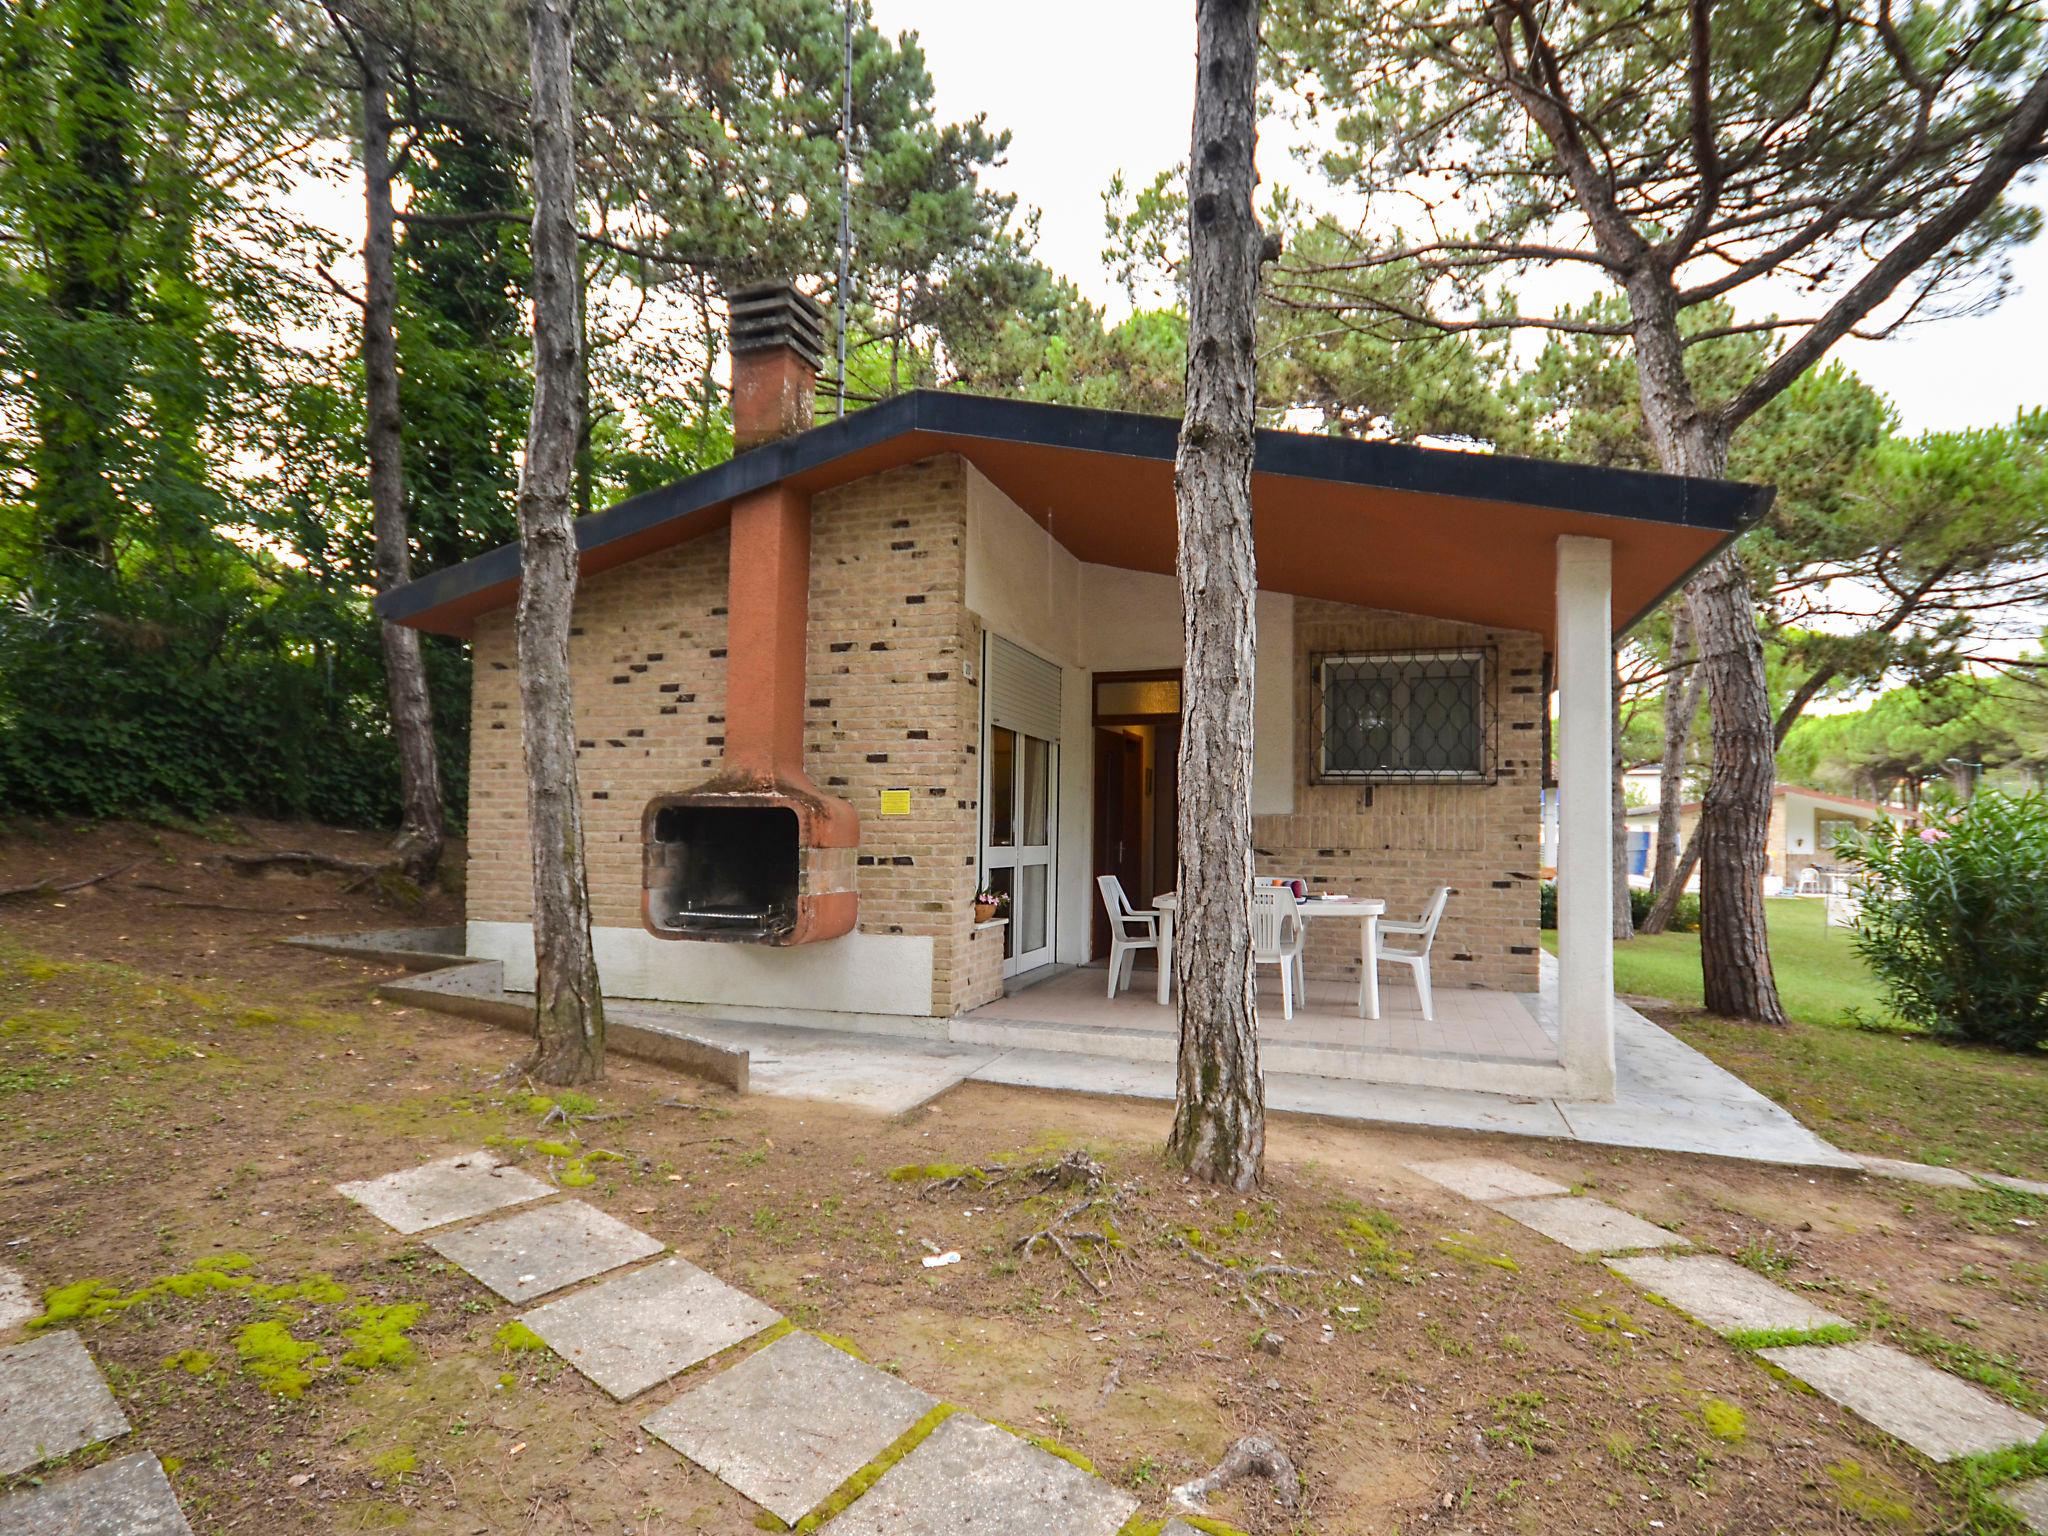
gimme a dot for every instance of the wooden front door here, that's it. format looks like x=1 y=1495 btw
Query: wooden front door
x=1119 y=822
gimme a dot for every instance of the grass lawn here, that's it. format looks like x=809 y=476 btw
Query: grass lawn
x=1866 y=1090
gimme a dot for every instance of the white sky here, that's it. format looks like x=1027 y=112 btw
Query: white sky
x=1091 y=87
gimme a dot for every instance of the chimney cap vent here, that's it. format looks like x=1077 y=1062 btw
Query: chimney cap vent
x=770 y=315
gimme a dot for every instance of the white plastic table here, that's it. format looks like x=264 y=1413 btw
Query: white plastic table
x=1356 y=909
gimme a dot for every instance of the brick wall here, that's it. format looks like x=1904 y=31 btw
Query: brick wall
x=886 y=707
x=1482 y=840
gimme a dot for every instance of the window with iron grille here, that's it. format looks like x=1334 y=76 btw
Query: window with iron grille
x=1393 y=716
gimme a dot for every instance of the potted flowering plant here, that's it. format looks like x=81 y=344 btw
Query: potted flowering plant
x=990 y=904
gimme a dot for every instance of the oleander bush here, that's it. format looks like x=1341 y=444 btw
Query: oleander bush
x=1954 y=919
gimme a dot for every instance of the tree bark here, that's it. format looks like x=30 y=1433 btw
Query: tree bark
x=420 y=830
x=1681 y=706
x=1735 y=815
x=1624 y=912
x=1658 y=918
x=568 y=1009
x=1219 y=1123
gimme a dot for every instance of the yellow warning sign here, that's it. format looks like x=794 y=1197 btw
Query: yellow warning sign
x=895 y=802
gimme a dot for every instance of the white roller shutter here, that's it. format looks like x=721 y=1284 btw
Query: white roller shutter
x=1023 y=690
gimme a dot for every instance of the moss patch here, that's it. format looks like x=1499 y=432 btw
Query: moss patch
x=275 y=1360
x=1753 y=1339
x=1869 y=1496
x=1724 y=1420
x=377 y=1336
x=870 y=1474
x=515 y=1338
x=1468 y=1252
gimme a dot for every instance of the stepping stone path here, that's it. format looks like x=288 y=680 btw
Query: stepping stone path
x=17 y=1306
x=129 y=1497
x=52 y=1402
x=968 y=1475
x=453 y=1189
x=1587 y=1226
x=635 y=1332
x=1486 y=1180
x=1724 y=1295
x=545 y=1248
x=2027 y=1500
x=1940 y=1416
x=788 y=1425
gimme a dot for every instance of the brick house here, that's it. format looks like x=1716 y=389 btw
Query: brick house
x=828 y=690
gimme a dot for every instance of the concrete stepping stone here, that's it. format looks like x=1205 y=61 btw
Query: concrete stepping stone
x=788 y=1425
x=1724 y=1295
x=1486 y=1179
x=129 y=1497
x=1915 y=1173
x=449 y=1189
x=2024 y=1186
x=543 y=1249
x=969 y=1475
x=1938 y=1415
x=17 y=1304
x=638 y=1330
x=1585 y=1225
x=53 y=1401
x=2028 y=1500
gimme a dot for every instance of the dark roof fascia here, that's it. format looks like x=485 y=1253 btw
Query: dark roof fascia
x=1723 y=506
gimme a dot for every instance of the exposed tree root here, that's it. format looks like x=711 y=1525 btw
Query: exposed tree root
x=304 y=861
x=48 y=886
x=1252 y=1456
x=1248 y=1280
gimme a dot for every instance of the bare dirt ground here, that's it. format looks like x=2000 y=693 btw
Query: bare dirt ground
x=178 y=1094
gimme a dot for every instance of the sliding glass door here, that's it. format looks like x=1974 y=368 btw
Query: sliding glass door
x=1018 y=859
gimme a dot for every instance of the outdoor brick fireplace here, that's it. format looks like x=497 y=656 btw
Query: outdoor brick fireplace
x=759 y=853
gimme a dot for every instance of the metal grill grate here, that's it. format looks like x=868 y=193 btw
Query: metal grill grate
x=1404 y=716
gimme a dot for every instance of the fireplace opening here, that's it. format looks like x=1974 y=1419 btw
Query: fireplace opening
x=724 y=871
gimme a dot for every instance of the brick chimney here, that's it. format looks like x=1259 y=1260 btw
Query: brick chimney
x=759 y=854
x=778 y=342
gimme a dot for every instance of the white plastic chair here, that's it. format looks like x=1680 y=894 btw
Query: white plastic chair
x=1129 y=931
x=1844 y=902
x=1417 y=960
x=1278 y=938
x=1809 y=882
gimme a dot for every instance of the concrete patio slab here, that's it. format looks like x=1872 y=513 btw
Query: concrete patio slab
x=2028 y=1500
x=53 y=1401
x=1586 y=1225
x=1915 y=1173
x=17 y=1305
x=448 y=1189
x=1937 y=1414
x=788 y=1425
x=128 y=1497
x=1724 y=1295
x=637 y=1331
x=1486 y=1179
x=544 y=1249
x=971 y=1476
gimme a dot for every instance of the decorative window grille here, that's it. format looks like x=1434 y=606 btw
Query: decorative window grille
x=1404 y=717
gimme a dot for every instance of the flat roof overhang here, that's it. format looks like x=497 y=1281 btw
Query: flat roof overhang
x=1429 y=531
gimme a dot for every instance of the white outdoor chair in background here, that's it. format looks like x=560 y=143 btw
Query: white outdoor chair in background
x=1417 y=960
x=1129 y=931
x=1278 y=938
x=1809 y=882
x=1844 y=902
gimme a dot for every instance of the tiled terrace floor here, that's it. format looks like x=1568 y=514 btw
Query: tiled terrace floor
x=1468 y=1022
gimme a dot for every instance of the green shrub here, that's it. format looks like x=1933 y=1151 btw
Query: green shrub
x=1954 y=923
x=1685 y=917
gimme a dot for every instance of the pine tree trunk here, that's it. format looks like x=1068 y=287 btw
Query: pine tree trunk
x=1624 y=910
x=1219 y=1123
x=568 y=1010
x=1681 y=704
x=420 y=830
x=1735 y=814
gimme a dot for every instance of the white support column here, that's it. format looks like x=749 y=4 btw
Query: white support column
x=1585 y=833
